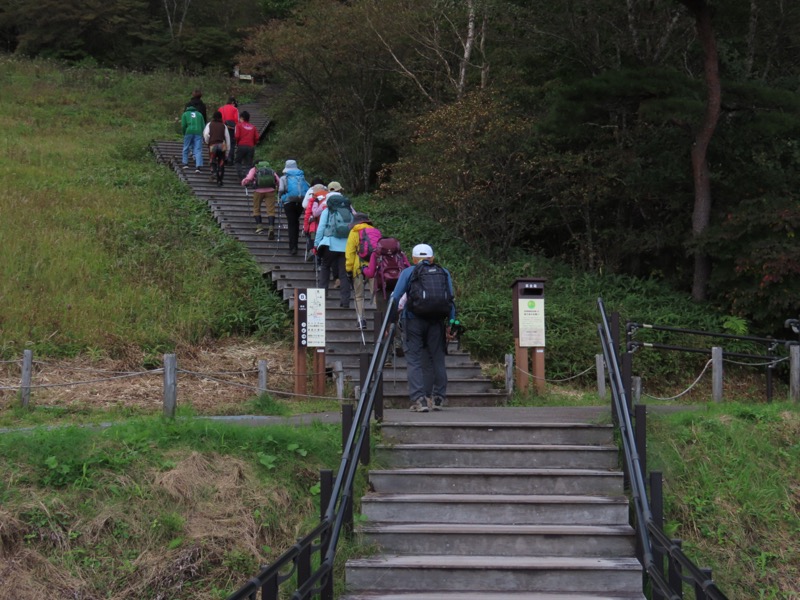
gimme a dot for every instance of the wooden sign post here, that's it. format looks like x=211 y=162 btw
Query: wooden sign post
x=529 y=338
x=309 y=332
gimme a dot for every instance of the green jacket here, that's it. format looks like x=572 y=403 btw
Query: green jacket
x=192 y=122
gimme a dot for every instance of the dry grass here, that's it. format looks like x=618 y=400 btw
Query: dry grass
x=218 y=541
x=230 y=367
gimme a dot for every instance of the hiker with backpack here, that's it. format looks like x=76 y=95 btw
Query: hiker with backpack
x=293 y=187
x=230 y=116
x=315 y=196
x=331 y=240
x=428 y=288
x=385 y=265
x=361 y=244
x=192 y=126
x=216 y=137
x=267 y=182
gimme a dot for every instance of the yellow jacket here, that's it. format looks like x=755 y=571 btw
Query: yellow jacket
x=353 y=262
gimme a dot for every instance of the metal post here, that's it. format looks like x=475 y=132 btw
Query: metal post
x=600 y=366
x=27 y=371
x=657 y=508
x=640 y=431
x=262 y=376
x=325 y=492
x=794 y=373
x=627 y=375
x=303 y=564
x=716 y=373
x=699 y=593
x=170 y=385
x=674 y=575
x=347 y=422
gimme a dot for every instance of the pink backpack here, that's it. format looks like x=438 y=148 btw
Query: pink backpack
x=368 y=238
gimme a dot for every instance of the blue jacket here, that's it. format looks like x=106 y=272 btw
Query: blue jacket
x=334 y=243
x=402 y=287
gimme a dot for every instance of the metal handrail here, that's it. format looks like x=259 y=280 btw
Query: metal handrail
x=651 y=536
x=320 y=581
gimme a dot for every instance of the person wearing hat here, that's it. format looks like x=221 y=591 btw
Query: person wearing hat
x=425 y=333
x=362 y=240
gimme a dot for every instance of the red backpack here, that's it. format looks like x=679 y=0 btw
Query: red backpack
x=390 y=262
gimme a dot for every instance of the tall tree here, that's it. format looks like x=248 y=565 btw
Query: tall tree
x=701 y=214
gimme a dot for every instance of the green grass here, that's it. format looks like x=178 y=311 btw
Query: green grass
x=732 y=482
x=100 y=247
x=153 y=507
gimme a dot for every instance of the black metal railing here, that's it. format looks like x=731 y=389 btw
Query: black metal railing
x=296 y=565
x=654 y=546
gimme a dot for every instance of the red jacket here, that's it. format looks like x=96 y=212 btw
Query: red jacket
x=246 y=134
x=229 y=113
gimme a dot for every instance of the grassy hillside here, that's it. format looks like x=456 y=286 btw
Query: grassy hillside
x=100 y=248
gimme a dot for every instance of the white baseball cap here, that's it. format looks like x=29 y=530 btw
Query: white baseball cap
x=422 y=251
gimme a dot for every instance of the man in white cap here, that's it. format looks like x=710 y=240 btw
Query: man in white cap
x=429 y=303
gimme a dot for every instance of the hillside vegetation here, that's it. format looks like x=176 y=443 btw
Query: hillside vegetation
x=105 y=254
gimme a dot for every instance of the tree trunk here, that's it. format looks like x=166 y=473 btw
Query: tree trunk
x=701 y=214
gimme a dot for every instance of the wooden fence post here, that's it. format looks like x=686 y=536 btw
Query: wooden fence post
x=262 y=376
x=170 y=385
x=27 y=371
x=600 y=365
x=716 y=373
x=339 y=373
x=509 y=374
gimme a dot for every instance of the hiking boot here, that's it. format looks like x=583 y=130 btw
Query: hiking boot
x=260 y=229
x=337 y=284
x=271 y=233
x=429 y=403
x=438 y=403
x=420 y=405
x=197 y=170
x=184 y=166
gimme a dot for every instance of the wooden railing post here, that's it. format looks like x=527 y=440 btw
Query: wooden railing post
x=170 y=385
x=27 y=373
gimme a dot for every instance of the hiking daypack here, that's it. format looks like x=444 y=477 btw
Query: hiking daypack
x=429 y=294
x=390 y=262
x=296 y=185
x=368 y=239
x=265 y=176
x=340 y=215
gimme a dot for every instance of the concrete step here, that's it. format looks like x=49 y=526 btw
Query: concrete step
x=501 y=540
x=506 y=481
x=510 y=456
x=446 y=432
x=421 y=573
x=509 y=509
x=454 y=401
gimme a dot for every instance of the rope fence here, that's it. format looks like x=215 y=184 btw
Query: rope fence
x=169 y=372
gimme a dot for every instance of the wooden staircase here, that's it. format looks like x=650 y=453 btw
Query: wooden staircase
x=231 y=207
x=501 y=504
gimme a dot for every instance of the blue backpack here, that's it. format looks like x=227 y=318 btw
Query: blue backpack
x=296 y=185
